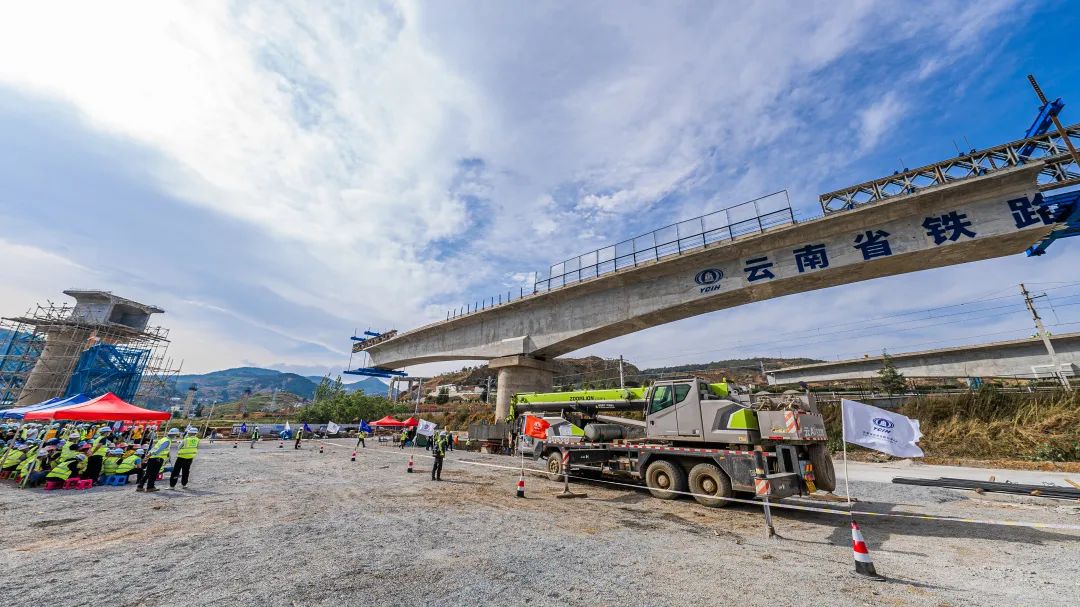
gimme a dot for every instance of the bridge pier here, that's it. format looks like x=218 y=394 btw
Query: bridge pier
x=519 y=374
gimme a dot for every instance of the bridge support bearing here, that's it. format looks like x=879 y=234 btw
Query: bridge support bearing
x=519 y=374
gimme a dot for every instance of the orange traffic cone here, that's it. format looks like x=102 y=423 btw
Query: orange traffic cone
x=409 y=470
x=281 y=444
x=353 y=458
x=320 y=449
x=863 y=564
x=521 y=485
x=234 y=444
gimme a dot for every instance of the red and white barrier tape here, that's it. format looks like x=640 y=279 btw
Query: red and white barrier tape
x=774 y=504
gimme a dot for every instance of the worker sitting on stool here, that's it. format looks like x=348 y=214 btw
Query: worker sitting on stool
x=131 y=464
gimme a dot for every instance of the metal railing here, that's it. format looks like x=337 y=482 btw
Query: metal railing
x=750 y=217
x=1059 y=170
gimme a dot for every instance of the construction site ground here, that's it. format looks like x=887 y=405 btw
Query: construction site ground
x=273 y=526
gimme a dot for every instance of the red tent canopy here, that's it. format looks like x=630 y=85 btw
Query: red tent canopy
x=388 y=422
x=108 y=407
x=411 y=422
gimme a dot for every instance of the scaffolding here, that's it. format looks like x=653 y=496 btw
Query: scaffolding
x=52 y=351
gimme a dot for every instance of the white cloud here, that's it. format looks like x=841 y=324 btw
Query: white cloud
x=405 y=152
x=877 y=119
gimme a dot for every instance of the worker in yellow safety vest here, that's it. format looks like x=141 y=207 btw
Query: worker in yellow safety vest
x=63 y=471
x=111 y=461
x=131 y=463
x=189 y=446
x=35 y=459
x=70 y=446
x=15 y=456
x=99 y=448
x=156 y=461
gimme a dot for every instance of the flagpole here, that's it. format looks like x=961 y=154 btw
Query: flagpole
x=843 y=439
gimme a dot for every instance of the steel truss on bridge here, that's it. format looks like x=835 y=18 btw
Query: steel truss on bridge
x=1060 y=170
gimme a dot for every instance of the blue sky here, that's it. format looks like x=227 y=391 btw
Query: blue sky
x=276 y=175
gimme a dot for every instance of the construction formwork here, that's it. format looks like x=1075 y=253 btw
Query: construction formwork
x=51 y=351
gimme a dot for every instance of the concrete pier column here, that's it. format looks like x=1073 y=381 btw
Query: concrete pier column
x=519 y=374
x=57 y=360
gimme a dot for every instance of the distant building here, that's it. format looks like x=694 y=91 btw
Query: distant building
x=466 y=393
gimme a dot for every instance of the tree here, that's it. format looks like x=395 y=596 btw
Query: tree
x=344 y=407
x=198 y=410
x=327 y=389
x=443 y=397
x=892 y=381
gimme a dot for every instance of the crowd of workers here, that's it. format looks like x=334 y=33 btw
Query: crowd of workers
x=42 y=454
x=37 y=454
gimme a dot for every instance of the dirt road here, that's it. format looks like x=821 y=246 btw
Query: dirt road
x=273 y=527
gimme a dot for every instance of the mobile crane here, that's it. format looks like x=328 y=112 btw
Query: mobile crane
x=695 y=437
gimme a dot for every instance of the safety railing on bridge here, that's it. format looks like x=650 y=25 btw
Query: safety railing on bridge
x=751 y=217
x=1059 y=170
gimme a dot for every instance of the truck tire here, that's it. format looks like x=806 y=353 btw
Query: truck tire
x=665 y=479
x=554 y=466
x=708 y=479
x=824 y=473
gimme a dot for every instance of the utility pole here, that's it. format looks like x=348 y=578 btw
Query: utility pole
x=487 y=390
x=622 y=384
x=1046 y=339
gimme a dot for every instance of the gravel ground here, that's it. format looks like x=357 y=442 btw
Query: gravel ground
x=273 y=527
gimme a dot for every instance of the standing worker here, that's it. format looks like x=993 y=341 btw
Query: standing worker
x=255 y=435
x=438 y=451
x=158 y=454
x=404 y=438
x=99 y=448
x=184 y=456
x=299 y=436
x=360 y=440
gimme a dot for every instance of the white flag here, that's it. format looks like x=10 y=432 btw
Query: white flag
x=880 y=430
x=332 y=428
x=425 y=427
x=287 y=428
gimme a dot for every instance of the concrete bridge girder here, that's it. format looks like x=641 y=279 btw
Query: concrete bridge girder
x=981 y=212
x=554 y=323
x=1018 y=357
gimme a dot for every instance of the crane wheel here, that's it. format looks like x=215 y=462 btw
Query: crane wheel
x=824 y=473
x=665 y=480
x=709 y=479
x=554 y=466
